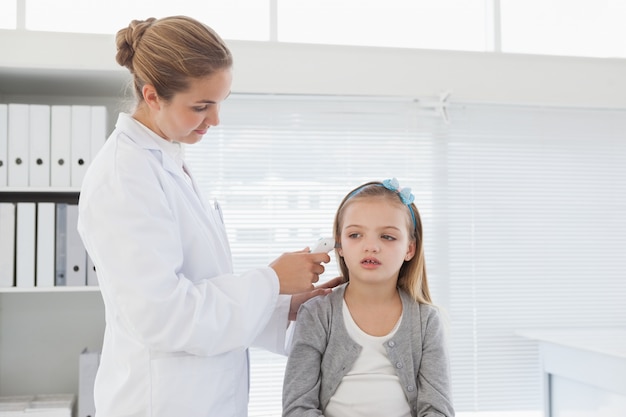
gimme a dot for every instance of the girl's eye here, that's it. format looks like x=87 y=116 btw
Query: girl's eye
x=353 y=235
x=200 y=109
x=388 y=237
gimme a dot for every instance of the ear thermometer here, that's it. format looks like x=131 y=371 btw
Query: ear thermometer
x=324 y=245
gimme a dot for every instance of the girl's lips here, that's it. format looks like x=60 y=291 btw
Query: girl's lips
x=370 y=263
x=201 y=132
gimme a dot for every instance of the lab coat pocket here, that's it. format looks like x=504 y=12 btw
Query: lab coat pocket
x=190 y=386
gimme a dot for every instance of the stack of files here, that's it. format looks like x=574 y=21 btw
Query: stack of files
x=44 y=405
x=45 y=233
x=15 y=405
x=49 y=146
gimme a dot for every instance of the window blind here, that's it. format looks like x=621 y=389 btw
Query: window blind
x=522 y=210
x=535 y=205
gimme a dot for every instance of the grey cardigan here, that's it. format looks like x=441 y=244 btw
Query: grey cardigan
x=322 y=353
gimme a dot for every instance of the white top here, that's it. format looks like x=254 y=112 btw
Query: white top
x=372 y=387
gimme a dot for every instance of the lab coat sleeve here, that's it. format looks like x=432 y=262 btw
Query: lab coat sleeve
x=273 y=336
x=133 y=235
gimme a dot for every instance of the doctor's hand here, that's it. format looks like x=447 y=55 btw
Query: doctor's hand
x=297 y=271
x=298 y=299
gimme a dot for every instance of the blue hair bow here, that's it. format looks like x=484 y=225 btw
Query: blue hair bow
x=406 y=196
x=405 y=193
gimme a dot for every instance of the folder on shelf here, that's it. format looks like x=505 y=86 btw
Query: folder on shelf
x=39 y=154
x=17 y=137
x=60 y=244
x=60 y=139
x=92 y=277
x=87 y=369
x=76 y=255
x=4 y=128
x=80 y=149
x=98 y=129
x=7 y=244
x=25 y=245
x=45 y=244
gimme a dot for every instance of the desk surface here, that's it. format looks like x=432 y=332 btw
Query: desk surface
x=607 y=341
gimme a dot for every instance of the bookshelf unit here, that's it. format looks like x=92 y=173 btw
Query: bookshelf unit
x=44 y=330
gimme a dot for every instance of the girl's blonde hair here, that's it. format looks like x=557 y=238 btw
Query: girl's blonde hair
x=412 y=276
x=166 y=53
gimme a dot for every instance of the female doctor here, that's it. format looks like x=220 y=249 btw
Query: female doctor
x=178 y=321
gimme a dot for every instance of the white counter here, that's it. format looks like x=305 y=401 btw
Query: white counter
x=584 y=371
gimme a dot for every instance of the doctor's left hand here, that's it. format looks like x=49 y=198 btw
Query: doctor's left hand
x=298 y=299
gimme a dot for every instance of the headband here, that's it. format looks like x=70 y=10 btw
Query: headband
x=404 y=193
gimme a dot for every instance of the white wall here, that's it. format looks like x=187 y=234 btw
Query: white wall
x=76 y=60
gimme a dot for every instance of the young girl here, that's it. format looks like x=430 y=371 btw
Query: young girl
x=375 y=346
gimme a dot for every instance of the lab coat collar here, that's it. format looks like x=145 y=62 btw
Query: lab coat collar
x=147 y=139
x=170 y=160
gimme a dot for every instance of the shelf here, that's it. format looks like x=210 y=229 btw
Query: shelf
x=16 y=290
x=60 y=64
x=64 y=82
x=83 y=65
x=34 y=195
x=39 y=190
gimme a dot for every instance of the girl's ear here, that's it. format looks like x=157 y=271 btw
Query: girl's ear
x=410 y=253
x=151 y=97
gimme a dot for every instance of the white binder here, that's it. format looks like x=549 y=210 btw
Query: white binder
x=98 y=129
x=60 y=245
x=80 y=146
x=46 y=218
x=60 y=139
x=7 y=244
x=25 y=245
x=87 y=368
x=92 y=277
x=4 y=127
x=39 y=154
x=76 y=261
x=18 y=142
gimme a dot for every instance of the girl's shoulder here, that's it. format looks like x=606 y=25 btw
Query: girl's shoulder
x=326 y=302
x=424 y=311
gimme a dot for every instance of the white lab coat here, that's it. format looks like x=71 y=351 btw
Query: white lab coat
x=178 y=321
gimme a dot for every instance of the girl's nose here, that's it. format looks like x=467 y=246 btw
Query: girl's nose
x=372 y=246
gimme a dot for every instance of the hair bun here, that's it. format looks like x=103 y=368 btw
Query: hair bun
x=127 y=40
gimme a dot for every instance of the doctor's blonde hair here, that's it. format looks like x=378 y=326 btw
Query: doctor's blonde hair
x=412 y=276
x=166 y=53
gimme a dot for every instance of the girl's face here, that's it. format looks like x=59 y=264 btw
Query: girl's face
x=188 y=115
x=375 y=240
